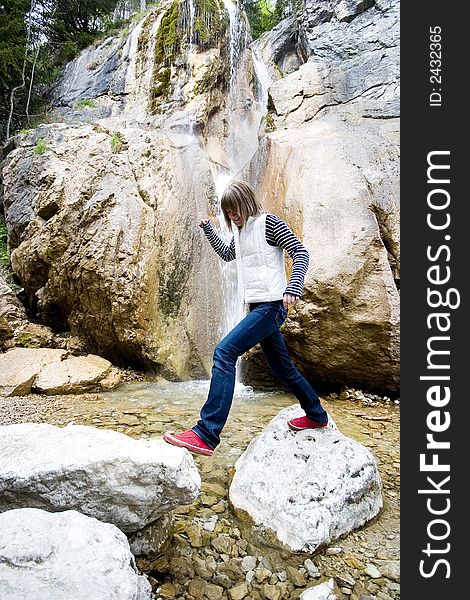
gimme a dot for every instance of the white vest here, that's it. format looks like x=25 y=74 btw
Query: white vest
x=260 y=267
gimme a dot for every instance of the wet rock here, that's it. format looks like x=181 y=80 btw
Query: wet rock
x=101 y=473
x=66 y=555
x=307 y=487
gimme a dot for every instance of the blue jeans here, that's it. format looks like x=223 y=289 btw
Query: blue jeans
x=261 y=325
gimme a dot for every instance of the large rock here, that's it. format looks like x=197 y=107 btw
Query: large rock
x=73 y=375
x=103 y=225
x=19 y=368
x=107 y=243
x=357 y=45
x=101 y=473
x=337 y=185
x=330 y=169
x=307 y=488
x=46 y=370
x=66 y=555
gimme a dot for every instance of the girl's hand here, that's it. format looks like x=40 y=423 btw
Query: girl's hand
x=204 y=222
x=289 y=300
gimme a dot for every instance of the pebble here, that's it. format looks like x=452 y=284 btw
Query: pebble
x=262 y=574
x=372 y=571
x=213 y=592
x=211 y=522
x=333 y=550
x=312 y=569
x=248 y=563
x=238 y=592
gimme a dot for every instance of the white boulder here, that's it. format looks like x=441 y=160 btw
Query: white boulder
x=101 y=473
x=322 y=591
x=308 y=487
x=66 y=555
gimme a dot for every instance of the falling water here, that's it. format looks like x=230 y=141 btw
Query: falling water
x=235 y=36
x=264 y=80
x=243 y=119
x=191 y=10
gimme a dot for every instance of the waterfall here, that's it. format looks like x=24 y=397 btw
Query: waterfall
x=243 y=114
x=235 y=36
x=191 y=10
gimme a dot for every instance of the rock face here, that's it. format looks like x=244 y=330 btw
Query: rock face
x=309 y=487
x=103 y=224
x=331 y=170
x=101 y=473
x=12 y=313
x=66 y=555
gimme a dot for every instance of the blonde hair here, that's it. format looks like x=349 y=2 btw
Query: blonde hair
x=238 y=197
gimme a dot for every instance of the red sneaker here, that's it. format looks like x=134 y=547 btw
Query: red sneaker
x=305 y=423
x=190 y=440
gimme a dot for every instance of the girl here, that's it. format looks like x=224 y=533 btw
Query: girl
x=258 y=244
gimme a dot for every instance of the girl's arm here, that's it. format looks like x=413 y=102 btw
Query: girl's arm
x=279 y=234
x=226 y=252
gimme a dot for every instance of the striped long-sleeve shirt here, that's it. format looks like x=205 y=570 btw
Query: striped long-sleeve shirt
x=277 y=234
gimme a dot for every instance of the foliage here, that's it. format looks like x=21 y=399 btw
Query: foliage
x=37 y=37
x=12 y=41
x=263 y=15
x=117 y=142
x=86 y=103
x=40 y=147
x=207 y=23
x=4 y=254
x=168 y=40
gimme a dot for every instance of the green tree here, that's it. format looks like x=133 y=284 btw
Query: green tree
x=13 y=54
x=75 y=25
x=263 y=15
